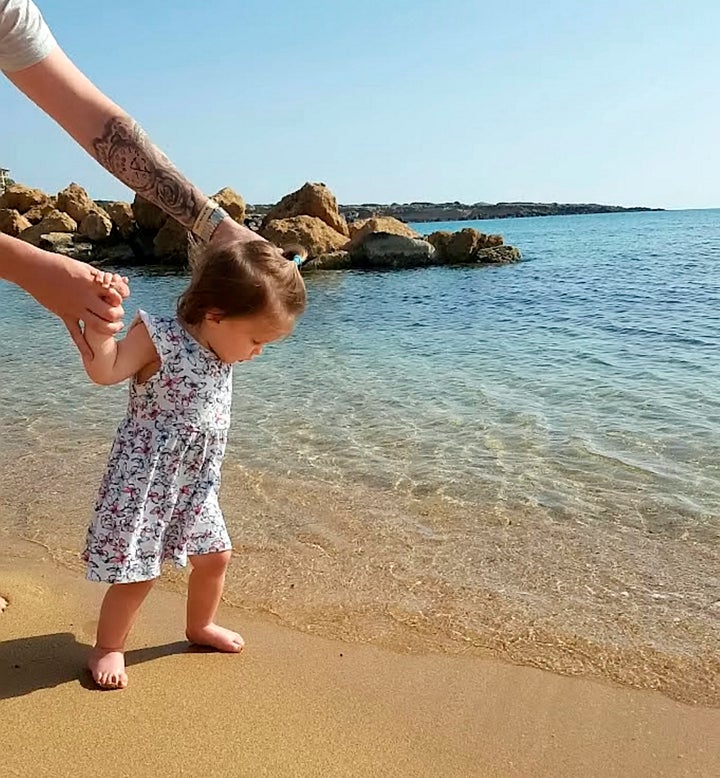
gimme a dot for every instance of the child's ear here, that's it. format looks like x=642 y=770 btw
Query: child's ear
x=213 y=315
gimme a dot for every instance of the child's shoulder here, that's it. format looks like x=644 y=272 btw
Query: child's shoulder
x=155 y=324
x=164 y=332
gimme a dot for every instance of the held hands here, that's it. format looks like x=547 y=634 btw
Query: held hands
x=110 y=282
x=74 y=291
x=112 y=288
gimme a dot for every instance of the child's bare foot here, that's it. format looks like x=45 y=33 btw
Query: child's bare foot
x=108 y=668
x=216 y=637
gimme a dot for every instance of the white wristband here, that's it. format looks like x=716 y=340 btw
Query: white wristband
x=208 y=220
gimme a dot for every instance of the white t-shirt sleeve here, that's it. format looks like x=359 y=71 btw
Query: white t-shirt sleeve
x=25 y=39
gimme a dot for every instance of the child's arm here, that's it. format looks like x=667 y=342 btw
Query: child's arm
x=114 y=361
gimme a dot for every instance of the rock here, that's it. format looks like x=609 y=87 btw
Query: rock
x=12 y=222
x=310 y=200
x=147 y=215
x=96 y=226
x=55 y=221
x=464 y=247
x=440 y=240
x=335 y=260
x=254 y=222
x=386 y=250
x=356 y=226
x=75 y=202
x=499 y=255
x=38 y=212
x=114 y=255
x=384 y=224
x=121 y=215
x=309 y=231
x=231 y=201
x=461 y=247
x=67 y=244
x=22 y=198
x=171 y=242
x=58 y=242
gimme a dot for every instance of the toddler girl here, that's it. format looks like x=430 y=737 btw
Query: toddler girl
x=158 y=499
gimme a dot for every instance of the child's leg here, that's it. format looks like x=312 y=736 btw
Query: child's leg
x=117 y=615
x=204 y=591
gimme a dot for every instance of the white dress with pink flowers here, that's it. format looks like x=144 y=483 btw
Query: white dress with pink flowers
x=158 y=499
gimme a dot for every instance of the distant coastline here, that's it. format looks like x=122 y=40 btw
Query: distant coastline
x=456 y=211
x=441 y=212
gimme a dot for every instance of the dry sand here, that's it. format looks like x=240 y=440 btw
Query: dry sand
x=299 y=705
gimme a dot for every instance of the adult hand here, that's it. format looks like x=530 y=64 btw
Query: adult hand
x=74 y=292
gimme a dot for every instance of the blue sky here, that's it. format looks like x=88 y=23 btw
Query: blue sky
x=612 y=102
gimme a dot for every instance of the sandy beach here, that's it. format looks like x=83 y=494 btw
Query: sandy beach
x=299 y=705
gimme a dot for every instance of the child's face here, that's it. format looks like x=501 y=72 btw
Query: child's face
x=238 y=340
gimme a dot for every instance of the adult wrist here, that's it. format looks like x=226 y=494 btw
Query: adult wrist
x=208 y=220
x=21 y=261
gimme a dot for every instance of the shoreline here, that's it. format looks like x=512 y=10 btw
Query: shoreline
x=344 y=562
x=296 y=704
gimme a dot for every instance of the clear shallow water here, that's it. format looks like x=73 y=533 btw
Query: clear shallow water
x=583 y=380
x=573 y=393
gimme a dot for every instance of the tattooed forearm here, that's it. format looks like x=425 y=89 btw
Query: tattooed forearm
x=126 y=151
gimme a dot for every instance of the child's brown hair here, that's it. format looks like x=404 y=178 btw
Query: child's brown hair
x=243 y=279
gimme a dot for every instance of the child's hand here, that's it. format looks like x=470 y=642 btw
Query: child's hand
x=109 y=280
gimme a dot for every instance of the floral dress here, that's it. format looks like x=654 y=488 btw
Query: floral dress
x=158 y=499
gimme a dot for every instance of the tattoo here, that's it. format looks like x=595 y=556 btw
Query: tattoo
x=126 y=151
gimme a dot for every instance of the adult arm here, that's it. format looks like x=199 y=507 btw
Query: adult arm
x=64 y=286
x=115 y=140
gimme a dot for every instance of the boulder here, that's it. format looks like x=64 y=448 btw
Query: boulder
x=113 y=254
x=356 y=226
x=22 y=198
x=12 y=222
x=75 y=202
x=97 y=226
x=68 y=245
x=171 y=242
x=440 y=240
x=384 y=250
x=231 y=201
x=253 y=222
x=497 y=255
x=335 y=260
x=38 y=212
x=121 y=215
x=59 y=243
x=310 y=200
x=309 y=231
x=460 y=247
x=55 y=221
x=147 y=215
x=385 y=224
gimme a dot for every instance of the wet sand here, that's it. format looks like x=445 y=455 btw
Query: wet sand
x=348 y=562
x=300 y=705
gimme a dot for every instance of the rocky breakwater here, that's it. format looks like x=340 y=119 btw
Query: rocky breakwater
x=310 y=217
x=102 y=232
x=118 y=233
